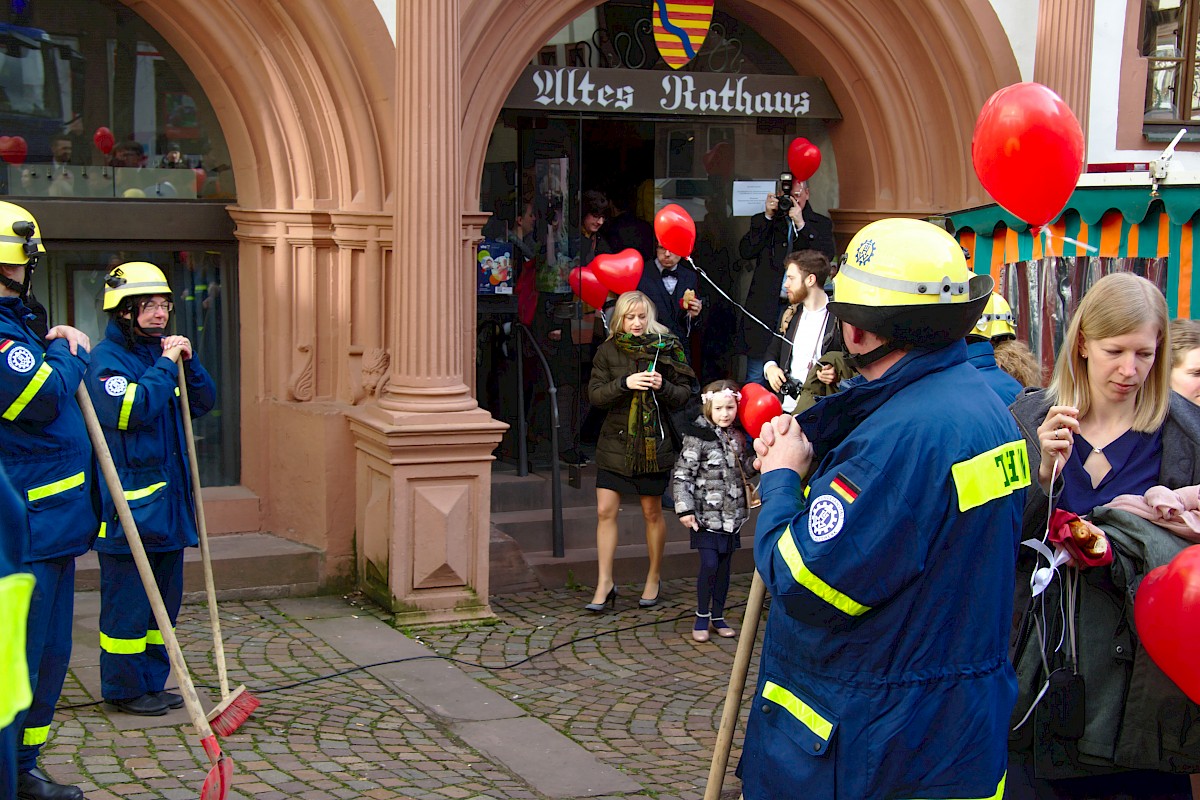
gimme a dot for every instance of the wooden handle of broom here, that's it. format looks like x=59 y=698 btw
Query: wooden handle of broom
x=174 y=652
x=210 y=587
x=737 y=684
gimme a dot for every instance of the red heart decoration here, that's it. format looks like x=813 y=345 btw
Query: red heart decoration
x=757 y=407
x=1166 y=612
x=804 y=158
x=104 y=140
x=13 y=149
x=719 y=160
x=1028 y=151
x=675 y=229
x=620 y=272
x=588 y=287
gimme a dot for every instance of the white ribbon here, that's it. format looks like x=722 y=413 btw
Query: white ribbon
x=1055 y=558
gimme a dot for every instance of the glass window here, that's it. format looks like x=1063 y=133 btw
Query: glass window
x=94 y=103
x=1169 y=44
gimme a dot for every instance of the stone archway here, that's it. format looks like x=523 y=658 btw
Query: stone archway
x=909 y=79
x=303 y=91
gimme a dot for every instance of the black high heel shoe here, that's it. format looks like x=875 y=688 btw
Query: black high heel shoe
x=651 y=602
x=609 y=600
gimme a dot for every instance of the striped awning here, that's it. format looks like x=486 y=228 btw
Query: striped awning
x=1120 y=222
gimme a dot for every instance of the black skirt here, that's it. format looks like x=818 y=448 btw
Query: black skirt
x=649 y=484
x=723 y=543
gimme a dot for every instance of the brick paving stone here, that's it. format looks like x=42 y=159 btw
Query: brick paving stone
x=639 y=695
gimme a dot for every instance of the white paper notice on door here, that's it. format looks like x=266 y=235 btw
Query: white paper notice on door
x=750 y=197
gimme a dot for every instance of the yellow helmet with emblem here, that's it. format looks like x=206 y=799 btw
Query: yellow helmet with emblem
x=20 y=238
x=907 y=281
x=132 y=279
x=997 y=320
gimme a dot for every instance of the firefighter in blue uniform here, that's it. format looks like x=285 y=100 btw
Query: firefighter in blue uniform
x=133 y=384
x=884 y=670
x=16 y=589
x=45 y=451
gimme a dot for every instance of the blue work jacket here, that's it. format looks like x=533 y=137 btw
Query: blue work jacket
x=982 y=356
x=136 y=395
x=44 y=444
x=884 y=670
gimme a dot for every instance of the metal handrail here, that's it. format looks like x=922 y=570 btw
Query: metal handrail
x=522 y=450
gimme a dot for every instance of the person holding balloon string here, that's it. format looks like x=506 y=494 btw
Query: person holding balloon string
x=1107 y=425
x=639 y=376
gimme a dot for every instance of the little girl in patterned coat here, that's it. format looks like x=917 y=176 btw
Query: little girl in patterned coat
x=710 y=485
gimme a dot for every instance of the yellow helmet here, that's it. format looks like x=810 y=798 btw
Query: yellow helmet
x=131 y=279
x=20 y=238
x=997 y=319
x=907 y=281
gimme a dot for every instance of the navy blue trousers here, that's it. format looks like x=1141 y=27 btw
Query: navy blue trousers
x=133 y=660
x=48 y=649
x=8 y=761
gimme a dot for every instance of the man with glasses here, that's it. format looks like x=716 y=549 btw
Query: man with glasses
x=771 y=237
x=133 y=384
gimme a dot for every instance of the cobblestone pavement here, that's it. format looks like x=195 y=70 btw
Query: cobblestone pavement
x=631 y=688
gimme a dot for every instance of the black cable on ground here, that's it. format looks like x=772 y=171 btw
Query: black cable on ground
x=433 y=657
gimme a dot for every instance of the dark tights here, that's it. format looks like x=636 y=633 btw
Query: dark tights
x=712 y=584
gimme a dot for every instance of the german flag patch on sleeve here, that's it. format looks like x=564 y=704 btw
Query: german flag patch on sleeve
x=845 y=487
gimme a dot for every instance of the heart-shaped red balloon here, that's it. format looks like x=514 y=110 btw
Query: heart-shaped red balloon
x=675 y=229
x=757 y=407
x=719 y=160
x=13 y=149
x=1166 y=612
x=588 y=287
x=803 y=158
x=1028 y=151
x=104 y=140
x=620 y=272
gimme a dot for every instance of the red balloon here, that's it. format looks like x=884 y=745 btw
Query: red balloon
x=675 y=229
x=803 y=158
x=13 y=149
x=1028 y=151
x=588 y=287
x=757 y=407
x=1166 y=612
x=619 y=272
x=719 y=160
x=104 y=140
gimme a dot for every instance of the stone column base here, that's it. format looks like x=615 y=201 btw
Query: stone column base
x=423 y=506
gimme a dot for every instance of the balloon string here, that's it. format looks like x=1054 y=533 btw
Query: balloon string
x=743 y=309
x=1048 y=238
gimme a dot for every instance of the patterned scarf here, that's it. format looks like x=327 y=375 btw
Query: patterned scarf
x=644 y=427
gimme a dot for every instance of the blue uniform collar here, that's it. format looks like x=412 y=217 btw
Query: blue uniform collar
x=981 y=354
x=833 y=418
x=15 y=305
x=116 y=334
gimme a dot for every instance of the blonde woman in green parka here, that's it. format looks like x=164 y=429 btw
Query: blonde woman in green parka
x=639 y=376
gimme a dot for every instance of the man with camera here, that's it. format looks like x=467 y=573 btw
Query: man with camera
x=811 y=331
x=787 y=224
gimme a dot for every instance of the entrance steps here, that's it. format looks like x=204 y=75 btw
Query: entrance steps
x=245 y=566
x=522 y=522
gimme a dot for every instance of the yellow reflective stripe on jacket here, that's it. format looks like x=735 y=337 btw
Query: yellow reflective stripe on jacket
x=103 y=531
x=798 y=709
x=126 y=407
x=31 y=389
x=991 y=475
x=999 y=791
x=155 y=637
x=32 y=737
x=122 y=647
x=38 y=492
x=804 y=576
x=138 y=494
x=15 y=694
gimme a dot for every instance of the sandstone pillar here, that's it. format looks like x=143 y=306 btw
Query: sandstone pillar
x=423 y=472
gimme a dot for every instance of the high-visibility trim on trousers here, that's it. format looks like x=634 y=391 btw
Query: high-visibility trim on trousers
x=15 y=695
x=32 y=737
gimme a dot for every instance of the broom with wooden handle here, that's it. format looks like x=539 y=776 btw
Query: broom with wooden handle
x=237 y=706
x=737 y=685
x=216 y=784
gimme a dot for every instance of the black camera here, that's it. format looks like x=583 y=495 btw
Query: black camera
x=791 y=388
x=785 y=192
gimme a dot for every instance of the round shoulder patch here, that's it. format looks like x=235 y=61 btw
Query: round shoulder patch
x=826 y=516
x=20 y=359
x=116 y=385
